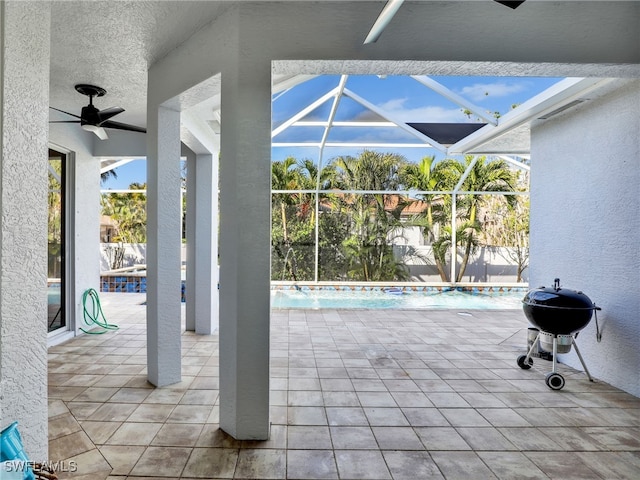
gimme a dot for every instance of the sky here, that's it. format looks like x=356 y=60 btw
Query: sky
x=402 y=97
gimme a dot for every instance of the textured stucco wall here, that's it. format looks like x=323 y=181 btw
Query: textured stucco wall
x=24 y=29
x=585 y=224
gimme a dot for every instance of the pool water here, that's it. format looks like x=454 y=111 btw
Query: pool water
x=381 y=299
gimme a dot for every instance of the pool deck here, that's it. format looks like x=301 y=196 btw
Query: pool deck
x=355 y=394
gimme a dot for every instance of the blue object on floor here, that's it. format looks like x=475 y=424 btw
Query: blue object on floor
x=11 y=449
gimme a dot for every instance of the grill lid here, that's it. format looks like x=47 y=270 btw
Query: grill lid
x=557 y=297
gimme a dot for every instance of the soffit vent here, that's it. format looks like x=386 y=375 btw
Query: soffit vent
x=561 y=109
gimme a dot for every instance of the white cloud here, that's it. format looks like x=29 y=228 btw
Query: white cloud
x=480 y=91
x=397 y=109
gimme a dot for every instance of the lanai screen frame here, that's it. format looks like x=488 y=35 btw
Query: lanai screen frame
x=549 y=102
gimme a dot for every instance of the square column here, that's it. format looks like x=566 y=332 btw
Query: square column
x=202 y=244
x=24 y=99
x=164 y=225
x=245 y=228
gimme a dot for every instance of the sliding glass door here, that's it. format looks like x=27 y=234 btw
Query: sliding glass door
x=56 y=242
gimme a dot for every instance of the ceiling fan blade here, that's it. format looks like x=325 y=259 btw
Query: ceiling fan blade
x=122 y=126
x=101 y=133
x=62 y=111
x=107 y=113
x=510 y=3
x=64 y=121
x=383 y=20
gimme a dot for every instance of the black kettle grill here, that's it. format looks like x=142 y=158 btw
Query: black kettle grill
x=558 y=315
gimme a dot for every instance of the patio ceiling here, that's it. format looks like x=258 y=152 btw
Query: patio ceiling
x=113 y=44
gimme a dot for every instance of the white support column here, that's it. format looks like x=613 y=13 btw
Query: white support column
x=245 y=228
x=163 y=246
x=202 y=244
x=206 y=236
x=24 y=98
x=192 y=260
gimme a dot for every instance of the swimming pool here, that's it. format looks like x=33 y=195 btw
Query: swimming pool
x=396 y=299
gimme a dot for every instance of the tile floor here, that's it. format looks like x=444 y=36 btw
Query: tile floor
x=362 y=394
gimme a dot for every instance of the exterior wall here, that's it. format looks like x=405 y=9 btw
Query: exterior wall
x=585 y=224
x=84 y=222
x=488 y=265
x=24 y=90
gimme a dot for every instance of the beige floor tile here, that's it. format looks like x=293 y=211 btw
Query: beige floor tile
x=306 y=416
x=565 y=465
x=199 y=397
x=405 y=465
x=112 y=412
x=162 y=461
x=211 y=463
x=261 y=463
x=511 y=466
x=383 y=416
x=83 y=380
x=134 y=434
x=99 y=432
x=190 y=414
x=528 y=438
x=311 y=464
x=353 y=438
x=361 y=464
x=616 y=438
x=397 y=438
x=178 y=435
x=130 y=395
x=121 y=458
x=618 y=465
x=308 y=437
x=503 y=417
x=89 y=465
x=62 y=425
x=151 y=412
x=57 y=407
x=167 y=396
x=305 y=398
x=441 y=438
x=212 y=436
x=464 y=417
x=485 y=438
x=96 y=394
x=277 y=439
x=69 y=446
x=461 y=465
x=111 y=380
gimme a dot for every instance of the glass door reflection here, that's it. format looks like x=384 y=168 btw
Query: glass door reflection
x=56 y=242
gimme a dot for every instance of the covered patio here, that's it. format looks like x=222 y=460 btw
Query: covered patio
x=358 y=394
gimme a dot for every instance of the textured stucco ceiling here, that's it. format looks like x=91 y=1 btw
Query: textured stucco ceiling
x=112 y=43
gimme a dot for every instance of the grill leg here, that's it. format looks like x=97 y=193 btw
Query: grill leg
x=584 y=365
x=555 y=353
x=534 y=345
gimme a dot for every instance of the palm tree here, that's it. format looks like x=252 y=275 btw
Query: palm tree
x=284 y=177
x=104 y=176
x=493 y=176
x=435 y=221
x=129 y=212
x=367 y=250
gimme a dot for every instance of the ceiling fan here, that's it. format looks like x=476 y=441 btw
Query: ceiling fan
x=392 y=7
x=93 y=120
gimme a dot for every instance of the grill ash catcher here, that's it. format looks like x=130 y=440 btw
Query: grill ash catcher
x=558 y=315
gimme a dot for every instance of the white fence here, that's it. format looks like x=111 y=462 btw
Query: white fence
x=488 y=265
